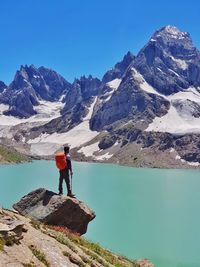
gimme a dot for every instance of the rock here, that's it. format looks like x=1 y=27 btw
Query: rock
x=53 y=209
x=144 y=263
x=3 y=86
x=11 y=229
x=107 y=142
x=119 y=69
x=82 y=91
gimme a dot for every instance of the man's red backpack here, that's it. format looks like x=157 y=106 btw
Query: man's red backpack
x=61 y=162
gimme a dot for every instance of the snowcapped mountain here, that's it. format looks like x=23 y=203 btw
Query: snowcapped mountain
x=145 y=111
x=29 y=87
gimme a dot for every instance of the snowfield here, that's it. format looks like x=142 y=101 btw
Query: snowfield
x=176 y=121
x=179 y=122
x=46 y=111
x=77 y=136
x=89 y=151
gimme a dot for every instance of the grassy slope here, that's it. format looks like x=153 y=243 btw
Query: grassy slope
x=48 y=246
x=10 y=155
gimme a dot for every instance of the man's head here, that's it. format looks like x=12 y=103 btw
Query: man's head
x=66 y=149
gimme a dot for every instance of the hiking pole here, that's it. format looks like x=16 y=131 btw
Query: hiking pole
x=71 y=183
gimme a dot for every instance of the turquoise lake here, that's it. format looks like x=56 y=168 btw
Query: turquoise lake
x=141 y=213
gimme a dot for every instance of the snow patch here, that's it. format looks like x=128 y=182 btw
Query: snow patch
x=91 y=109
x=116 y=143
x=62 y=97
x=143 y=84
x=175 y=73
x=174 y=32
x=104 y=156
x=49 y=109
x=46 y=111
x=114 y=85
x=89 y=150
x=44 y=149
x=189 y=94
x=159 y=69
x=3 y=108
x=180 y=63
x=36 y=76
x=76 y=137
x=195 y=164
x=174 y=121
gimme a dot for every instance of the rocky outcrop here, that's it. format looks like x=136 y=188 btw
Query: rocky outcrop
x=11 y=229
x=53 y=209
x=3 y=86
x=22 y=103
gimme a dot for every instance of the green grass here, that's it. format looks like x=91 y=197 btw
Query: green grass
x=28 y=265
x=36 y=224
x=78 y=263
x=93 y=250
x=39 y=255
x=65 y=241
x=10 y=241
x=2 y=243
x=10 y=155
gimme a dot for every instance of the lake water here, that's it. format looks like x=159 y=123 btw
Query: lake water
x=141 y=213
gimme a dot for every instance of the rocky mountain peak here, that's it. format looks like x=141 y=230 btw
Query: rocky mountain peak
x=172 y=32
x=128 y=58
x=173 y=40
x=119 y=68
x=2 y=86
x=21 y=79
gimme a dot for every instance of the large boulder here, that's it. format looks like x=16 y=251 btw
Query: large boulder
x=53 y=209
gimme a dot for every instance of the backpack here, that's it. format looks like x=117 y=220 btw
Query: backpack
x=61 y=161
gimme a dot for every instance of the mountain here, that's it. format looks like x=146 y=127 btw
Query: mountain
x=81 y=92
x=169 y=62
x=29 y=87
x=144 y=112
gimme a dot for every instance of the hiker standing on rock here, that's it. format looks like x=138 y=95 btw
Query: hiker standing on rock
x=64 y=164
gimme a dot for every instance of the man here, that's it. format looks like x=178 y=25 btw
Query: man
x=65 y=174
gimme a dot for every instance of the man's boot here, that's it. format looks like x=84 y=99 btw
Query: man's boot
x=69 y=194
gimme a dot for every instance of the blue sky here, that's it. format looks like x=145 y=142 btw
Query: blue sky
x=77 y=37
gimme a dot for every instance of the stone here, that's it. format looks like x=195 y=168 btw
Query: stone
x=11 y=229
x=51 y=208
